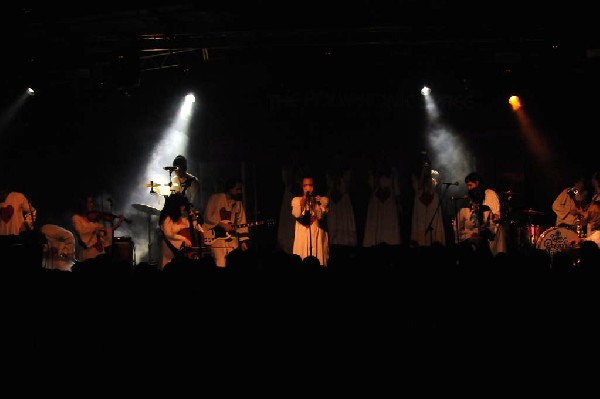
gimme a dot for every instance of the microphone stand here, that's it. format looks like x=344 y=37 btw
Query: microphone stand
x=112 y=228
x=309 y=201
x=170 y=182
x=429 y=229
x=456 y=220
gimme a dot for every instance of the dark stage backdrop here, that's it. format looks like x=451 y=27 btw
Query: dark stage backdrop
x=264 y=108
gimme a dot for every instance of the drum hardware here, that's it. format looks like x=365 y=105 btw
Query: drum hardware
x=152 y=184
x=531 y=212
x=150 y=211
x=172 y=186
x=556 y=239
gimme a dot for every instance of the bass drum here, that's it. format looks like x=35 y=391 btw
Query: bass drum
x=555 y=239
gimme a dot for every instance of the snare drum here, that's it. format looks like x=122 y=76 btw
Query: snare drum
x=556 y=239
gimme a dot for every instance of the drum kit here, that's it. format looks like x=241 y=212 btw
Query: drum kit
x=150 y=210
x=530 y=232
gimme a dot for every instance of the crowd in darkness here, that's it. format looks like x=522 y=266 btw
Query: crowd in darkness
x=451 y=296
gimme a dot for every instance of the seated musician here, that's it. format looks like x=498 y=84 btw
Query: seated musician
x=569 y=205
x=94 y=237
x=182 y=234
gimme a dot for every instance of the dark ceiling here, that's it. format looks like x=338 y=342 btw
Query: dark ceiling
x=100 y=40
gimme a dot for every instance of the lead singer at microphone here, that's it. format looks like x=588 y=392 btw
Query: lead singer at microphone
x=310 y=210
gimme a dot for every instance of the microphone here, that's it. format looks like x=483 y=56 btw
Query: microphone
x=460 y=198
x=451 y=184
x=171 y=168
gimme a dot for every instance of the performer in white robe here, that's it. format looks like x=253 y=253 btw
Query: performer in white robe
x=310 y=238
x=427 y=224
x=382 y=222
x=59 y=251
x=341 y=221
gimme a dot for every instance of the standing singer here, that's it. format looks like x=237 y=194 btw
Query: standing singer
x=310 y=238
x=225 y=222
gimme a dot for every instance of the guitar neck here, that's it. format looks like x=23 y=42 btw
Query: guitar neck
x=237 y=226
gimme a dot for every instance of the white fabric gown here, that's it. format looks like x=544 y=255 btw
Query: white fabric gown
x=382 y=225
x=311 y=240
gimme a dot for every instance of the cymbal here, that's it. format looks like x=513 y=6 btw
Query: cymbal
x=510 y=192
x=150 y=210
x=158 y=184
x=531 y=212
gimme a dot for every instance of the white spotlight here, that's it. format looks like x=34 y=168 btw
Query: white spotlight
x=425 y=91
x=190 y=98
x=30 y=91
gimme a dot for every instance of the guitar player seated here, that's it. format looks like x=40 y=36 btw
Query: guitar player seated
x=225 y=221
x=182 y=235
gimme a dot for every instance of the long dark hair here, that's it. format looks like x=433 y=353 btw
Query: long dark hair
x=172 y=207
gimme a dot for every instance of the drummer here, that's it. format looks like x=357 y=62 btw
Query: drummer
x=569 y=205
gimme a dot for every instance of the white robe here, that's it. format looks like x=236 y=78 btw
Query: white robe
x=382 y=223
x=16 y=214
x=92 y=243
x=59 y=252
x=340 y=219
x=563 y=206
x=219 y=208
x=171 y=231
x=311 y=240
x=492 y=200
x=469 y=229
x=423 y=214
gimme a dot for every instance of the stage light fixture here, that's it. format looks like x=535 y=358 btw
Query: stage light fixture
x=514 y=102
